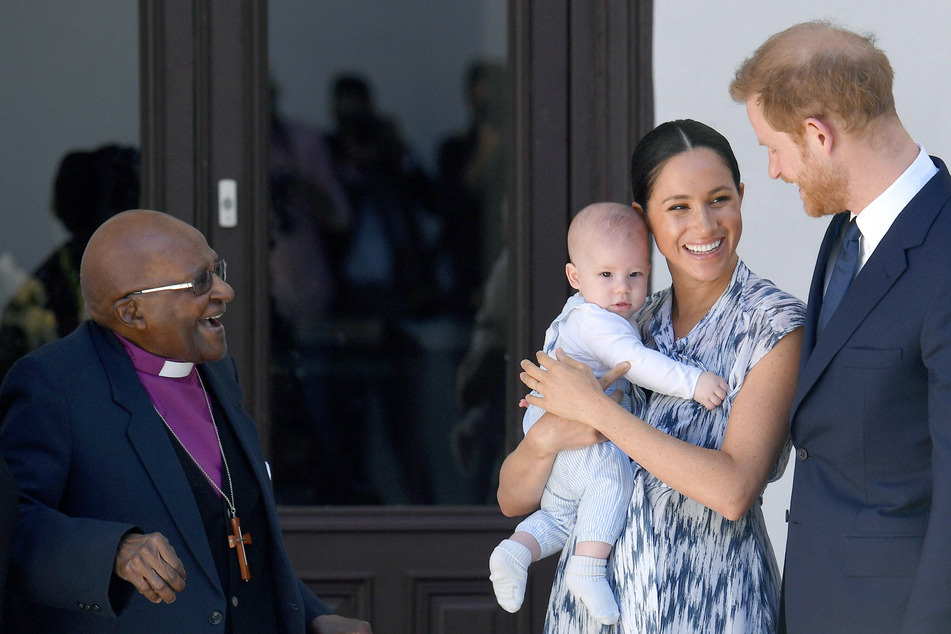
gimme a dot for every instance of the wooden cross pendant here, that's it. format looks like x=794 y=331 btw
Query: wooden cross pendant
x=237 y=540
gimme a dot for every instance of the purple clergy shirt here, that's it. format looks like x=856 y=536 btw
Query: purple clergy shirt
x=175 y=391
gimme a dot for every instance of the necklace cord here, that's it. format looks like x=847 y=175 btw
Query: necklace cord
x=224 y=460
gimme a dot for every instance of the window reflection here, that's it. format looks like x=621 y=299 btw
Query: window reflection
x=90 y=187
x=387 y=254
x=70 y=87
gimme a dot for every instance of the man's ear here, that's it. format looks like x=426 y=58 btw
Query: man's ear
x=820 y=134
x=571 y=271
x=128 y=315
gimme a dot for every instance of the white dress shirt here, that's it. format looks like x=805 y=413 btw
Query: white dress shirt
x=875 y=220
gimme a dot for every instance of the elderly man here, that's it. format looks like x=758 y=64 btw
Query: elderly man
x=137 y=466
x=869 y=545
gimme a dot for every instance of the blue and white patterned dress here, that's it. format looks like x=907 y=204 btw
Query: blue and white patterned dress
x=678 y=566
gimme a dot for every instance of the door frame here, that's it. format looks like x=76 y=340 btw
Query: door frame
x=583 y=97
x=204 y=109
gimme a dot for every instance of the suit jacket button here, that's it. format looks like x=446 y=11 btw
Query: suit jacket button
x=802 y=454
x=215 y=618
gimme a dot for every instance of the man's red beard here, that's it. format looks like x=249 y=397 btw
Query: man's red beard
x=824 y=190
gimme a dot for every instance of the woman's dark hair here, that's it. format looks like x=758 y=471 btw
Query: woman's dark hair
x=668 y=140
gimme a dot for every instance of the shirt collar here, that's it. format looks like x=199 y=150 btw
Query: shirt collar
x=145 y=361
x=875 y=220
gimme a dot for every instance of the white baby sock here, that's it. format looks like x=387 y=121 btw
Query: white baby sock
x=508 y=568
x=586 y=577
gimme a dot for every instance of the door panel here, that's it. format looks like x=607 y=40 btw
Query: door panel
x=420 y=569
x=204 y=120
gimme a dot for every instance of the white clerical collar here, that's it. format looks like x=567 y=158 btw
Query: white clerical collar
x=176 y=369
x=876 y=219
x=153 y=364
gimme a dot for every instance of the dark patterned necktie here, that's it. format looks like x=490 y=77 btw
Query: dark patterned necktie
x=845 y=266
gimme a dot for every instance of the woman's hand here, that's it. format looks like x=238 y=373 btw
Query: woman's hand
x=552 y=434
x=568 y=388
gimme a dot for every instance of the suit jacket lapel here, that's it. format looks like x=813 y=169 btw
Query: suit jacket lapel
x=221 y=380
x=229 y=398
x=878 y=275
x=883 y=269
x=150 y=440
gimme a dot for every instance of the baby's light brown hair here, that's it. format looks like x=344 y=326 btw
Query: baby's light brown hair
x=605 y=221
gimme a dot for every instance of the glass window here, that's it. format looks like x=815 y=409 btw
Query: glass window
x=69 y=84
x=388 y=178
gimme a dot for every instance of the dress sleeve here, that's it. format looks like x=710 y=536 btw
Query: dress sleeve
x=770 y=314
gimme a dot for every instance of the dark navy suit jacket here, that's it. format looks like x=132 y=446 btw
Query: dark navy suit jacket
x=8 y=520
x=869 y=536
x=93 y=461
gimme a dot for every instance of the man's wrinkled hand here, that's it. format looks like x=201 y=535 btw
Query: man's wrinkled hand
x=150 y=564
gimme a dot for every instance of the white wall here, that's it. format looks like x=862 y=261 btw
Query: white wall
x=697 y=46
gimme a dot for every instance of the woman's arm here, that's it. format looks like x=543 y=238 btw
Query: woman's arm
x=728 y=480
x=525 y=471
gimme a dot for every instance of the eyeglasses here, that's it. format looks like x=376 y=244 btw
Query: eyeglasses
x=200 y=285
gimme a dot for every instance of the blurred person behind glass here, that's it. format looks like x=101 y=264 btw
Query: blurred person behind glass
x=471 y=186
x=89 y=188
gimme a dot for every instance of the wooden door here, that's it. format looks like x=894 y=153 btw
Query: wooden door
x=579 y=86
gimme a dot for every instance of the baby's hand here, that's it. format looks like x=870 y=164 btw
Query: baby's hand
x=711 y=390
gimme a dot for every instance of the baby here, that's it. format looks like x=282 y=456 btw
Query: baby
x=589 y=490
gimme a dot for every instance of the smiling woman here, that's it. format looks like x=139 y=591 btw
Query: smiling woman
x=694 y=469
x=694 y=214
x=687 y=184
